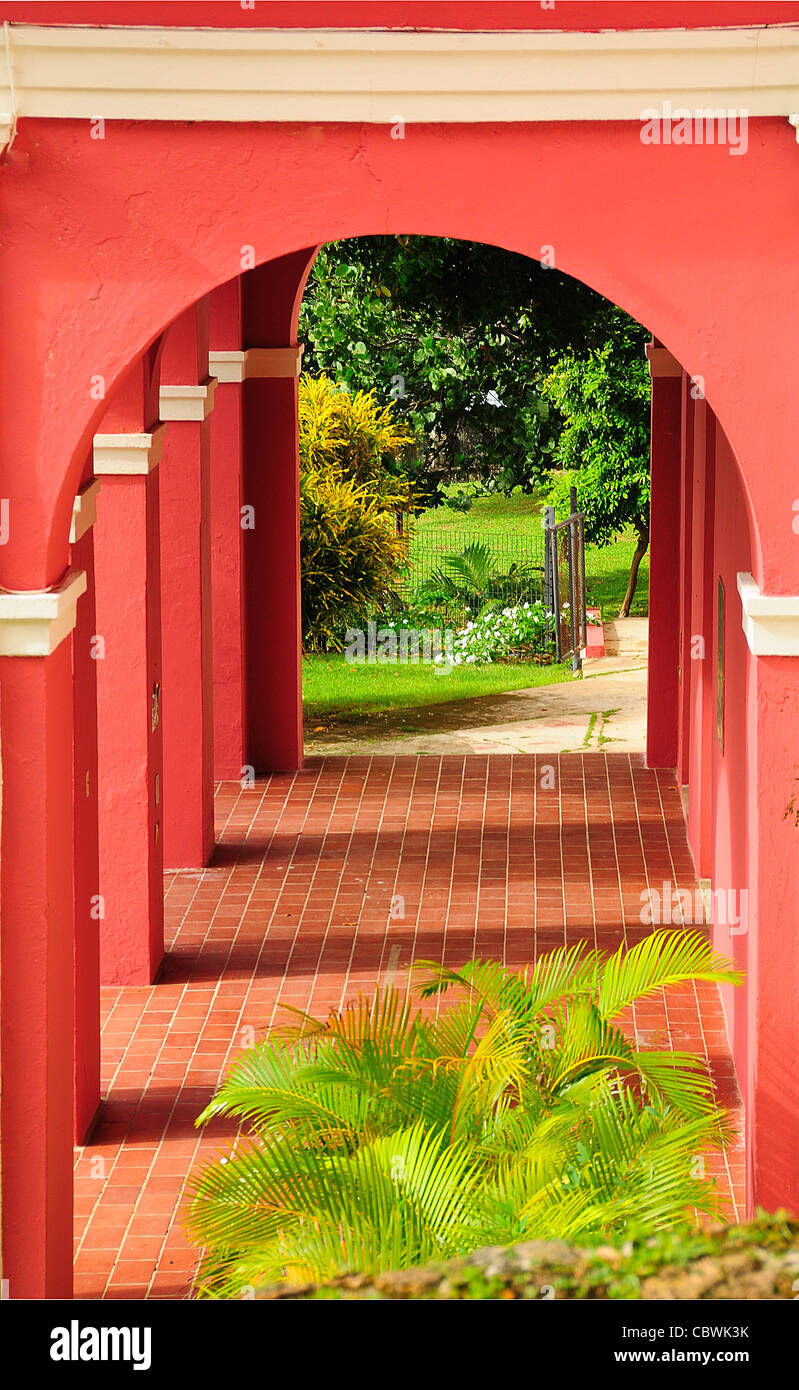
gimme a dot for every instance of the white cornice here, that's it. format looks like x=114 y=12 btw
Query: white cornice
x=661 y=362
x=187 y=402
x=35 y=623
x=228 y=366
x=84 y=510
x=770 y=621
x=128 y=454
x=232 y=366
x=182 y=74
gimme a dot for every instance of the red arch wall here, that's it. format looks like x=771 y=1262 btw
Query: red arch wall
x=107 y=241
x=406 y=14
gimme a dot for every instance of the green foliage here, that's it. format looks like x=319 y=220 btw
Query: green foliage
x=507 y=633
x=349 y=555
x=351 y=434
x=351 y=484
x=387 y=1137
x=449 y=329
x=756 y=1261
x=473 y=577
x=603 y=399
x=604 y=442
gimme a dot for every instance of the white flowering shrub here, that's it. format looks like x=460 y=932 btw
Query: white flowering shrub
x=502 y=634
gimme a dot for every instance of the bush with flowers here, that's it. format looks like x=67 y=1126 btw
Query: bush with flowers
x=524 y=631
x=496 y=633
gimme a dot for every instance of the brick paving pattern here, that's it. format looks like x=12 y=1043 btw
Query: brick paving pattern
x=493 y=856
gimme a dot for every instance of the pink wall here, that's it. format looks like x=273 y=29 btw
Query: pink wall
x=403 y=14
x=743 y=820
x=80 y=263
x=91 y=277
x=227 y=543
x=729 y=822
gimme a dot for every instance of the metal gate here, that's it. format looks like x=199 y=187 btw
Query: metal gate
x=564 y=582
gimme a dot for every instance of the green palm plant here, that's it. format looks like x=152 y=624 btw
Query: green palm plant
x=472 y=578
x=389 y=1135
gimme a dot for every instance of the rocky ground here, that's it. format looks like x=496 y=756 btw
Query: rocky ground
x=756 y=1261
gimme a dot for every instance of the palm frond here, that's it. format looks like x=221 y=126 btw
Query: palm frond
x=667 y=957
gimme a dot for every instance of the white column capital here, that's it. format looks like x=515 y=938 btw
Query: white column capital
x=243 y=364
x=187 y=402
x=34 y=623
x=128 y=454
x=661 y=362
x=227 y=366
x=770 y=621
x=84 y=510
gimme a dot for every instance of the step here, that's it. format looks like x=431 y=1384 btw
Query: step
x=626 y=637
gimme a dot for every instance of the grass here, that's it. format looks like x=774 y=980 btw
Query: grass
x=607 y=571
x=336 y=690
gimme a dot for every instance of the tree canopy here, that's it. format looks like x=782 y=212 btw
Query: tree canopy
x=505 y=371
x=603 y=447
x=461 y=335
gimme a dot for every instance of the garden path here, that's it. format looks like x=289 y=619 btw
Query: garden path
x=604 y=710
x=498 y=856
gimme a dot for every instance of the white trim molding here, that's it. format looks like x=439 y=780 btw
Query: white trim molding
x=128 y=454
x=661 y=362
x=84 y=511
x=363 y=75
x=243 y=365
x=35 y=623
x=228 y=366
x=770 y=621
x=187 y=402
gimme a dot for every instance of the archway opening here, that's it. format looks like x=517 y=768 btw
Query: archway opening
x=289 y=905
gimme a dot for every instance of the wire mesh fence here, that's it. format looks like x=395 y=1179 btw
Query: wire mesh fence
x=457 y=570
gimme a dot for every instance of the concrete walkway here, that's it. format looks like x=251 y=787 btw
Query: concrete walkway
x=605 y=711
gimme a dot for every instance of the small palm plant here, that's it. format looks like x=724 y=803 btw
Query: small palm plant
x=474 y=579
x=385 y=1136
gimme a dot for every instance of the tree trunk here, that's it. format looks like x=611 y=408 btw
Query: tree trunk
x=640 y=552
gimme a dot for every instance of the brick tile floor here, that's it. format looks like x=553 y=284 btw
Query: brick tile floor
x=500 y=856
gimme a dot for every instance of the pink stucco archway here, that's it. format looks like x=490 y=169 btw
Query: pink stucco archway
x=122 y=234
x=109 y=242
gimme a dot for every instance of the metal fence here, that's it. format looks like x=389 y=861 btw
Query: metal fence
x=514 y=573
x=457 y=569
x=564 y=583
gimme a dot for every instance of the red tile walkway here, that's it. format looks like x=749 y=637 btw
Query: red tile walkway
x=490 y=857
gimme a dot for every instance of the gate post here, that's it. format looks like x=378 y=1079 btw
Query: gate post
x=549 y=586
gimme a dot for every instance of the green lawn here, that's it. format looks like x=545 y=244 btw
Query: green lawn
x=335 y=690
x=338 y=692
x=607 y=570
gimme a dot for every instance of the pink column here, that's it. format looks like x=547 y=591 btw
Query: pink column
x=36 y=974
x=270 y=303
x=773 y=942
x=87 y=866
x=685 y=597
x=128 y=587
x=703 y=692
x=227 y=363
x=186 y=399
x=664 y=543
